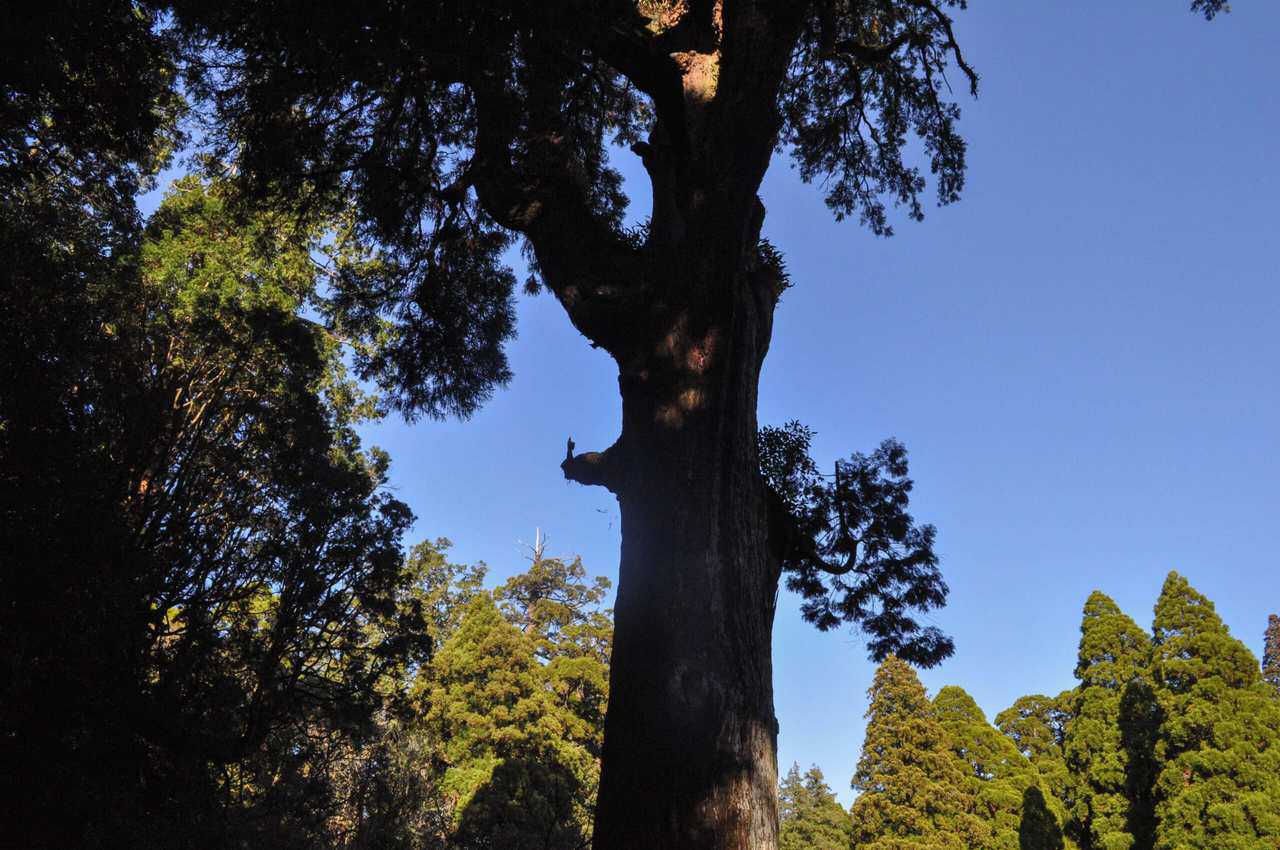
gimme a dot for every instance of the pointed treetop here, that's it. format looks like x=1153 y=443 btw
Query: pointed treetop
x=809 y=815
x=1113 y=648
x=913 y=789
x=1000 y=777
x=954 y=702
x=1193 y=644
x=896 y=691
x=986 y=753
x=1218 y=783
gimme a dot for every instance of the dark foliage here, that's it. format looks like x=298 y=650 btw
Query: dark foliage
x=1038 y=828
x=1271 y=653
x=373 y=109
x=86 y=93
x=201 y=593
x=864 y=78
x=1210 y=8
x=194 y=547
x=852 y=549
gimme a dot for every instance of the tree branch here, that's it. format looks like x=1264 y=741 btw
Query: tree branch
x=787 y=540
x=590 y=468
x=584 y=260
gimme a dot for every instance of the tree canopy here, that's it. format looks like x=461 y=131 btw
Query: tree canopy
x=1219 y=742
x=810 y=816
x=1009 y=794
x=1103 y=749
x=216 y=559
x=913 y=792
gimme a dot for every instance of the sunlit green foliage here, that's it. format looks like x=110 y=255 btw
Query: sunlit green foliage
x=514 y=704
x=1037 y=725
x=1219 y=742
x=810 y=817
x=913 y=791
x=1008 y=793
x=1107 y=753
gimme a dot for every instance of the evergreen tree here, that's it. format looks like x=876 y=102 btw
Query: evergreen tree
x=1037 y=725
x=513 y=702
x=1219 y=743
x=914 y=793
x=1109 y=766
x=810 y=816
x=442 y=588
x=527 y=771
x=1271 y=654
x=514 y=773
x=553 y=603
x=1000 y=778
x=212 y=559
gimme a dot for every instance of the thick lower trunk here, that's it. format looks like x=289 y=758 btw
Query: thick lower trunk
x=690 y=738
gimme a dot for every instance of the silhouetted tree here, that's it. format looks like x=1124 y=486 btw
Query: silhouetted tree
x=450 y=129
x=444 y=130
x=201 y=562
x=849 y=546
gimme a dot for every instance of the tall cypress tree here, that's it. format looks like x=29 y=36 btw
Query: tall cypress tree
x=809 y=815
x=1219 y=743
x=914 y=792
x=1107 y=760
x=1000 y=778
x=1271 y=654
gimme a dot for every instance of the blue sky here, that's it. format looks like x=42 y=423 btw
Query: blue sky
x=1081 y=358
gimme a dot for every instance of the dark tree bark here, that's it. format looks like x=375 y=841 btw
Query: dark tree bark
x=690 y=737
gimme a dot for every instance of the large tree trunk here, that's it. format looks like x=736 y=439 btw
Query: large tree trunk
x=690 y=738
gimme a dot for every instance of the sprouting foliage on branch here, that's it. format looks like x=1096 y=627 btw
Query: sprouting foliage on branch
x=848 y=545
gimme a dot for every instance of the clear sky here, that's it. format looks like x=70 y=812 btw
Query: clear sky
x=1081 y=357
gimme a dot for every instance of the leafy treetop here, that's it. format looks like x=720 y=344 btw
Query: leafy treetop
x=809 y=815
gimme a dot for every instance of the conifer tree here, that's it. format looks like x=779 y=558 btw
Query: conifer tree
x=810 y=817
x=1037 y=725
x=1000 y=778
x=1110 y=773
x=1271 y=654
x=1219 y=742
x=913 y=791
x=517 y=777
x=560 y=610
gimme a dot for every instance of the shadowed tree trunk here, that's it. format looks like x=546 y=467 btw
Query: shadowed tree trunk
x=690 y=737
x=689 y=758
